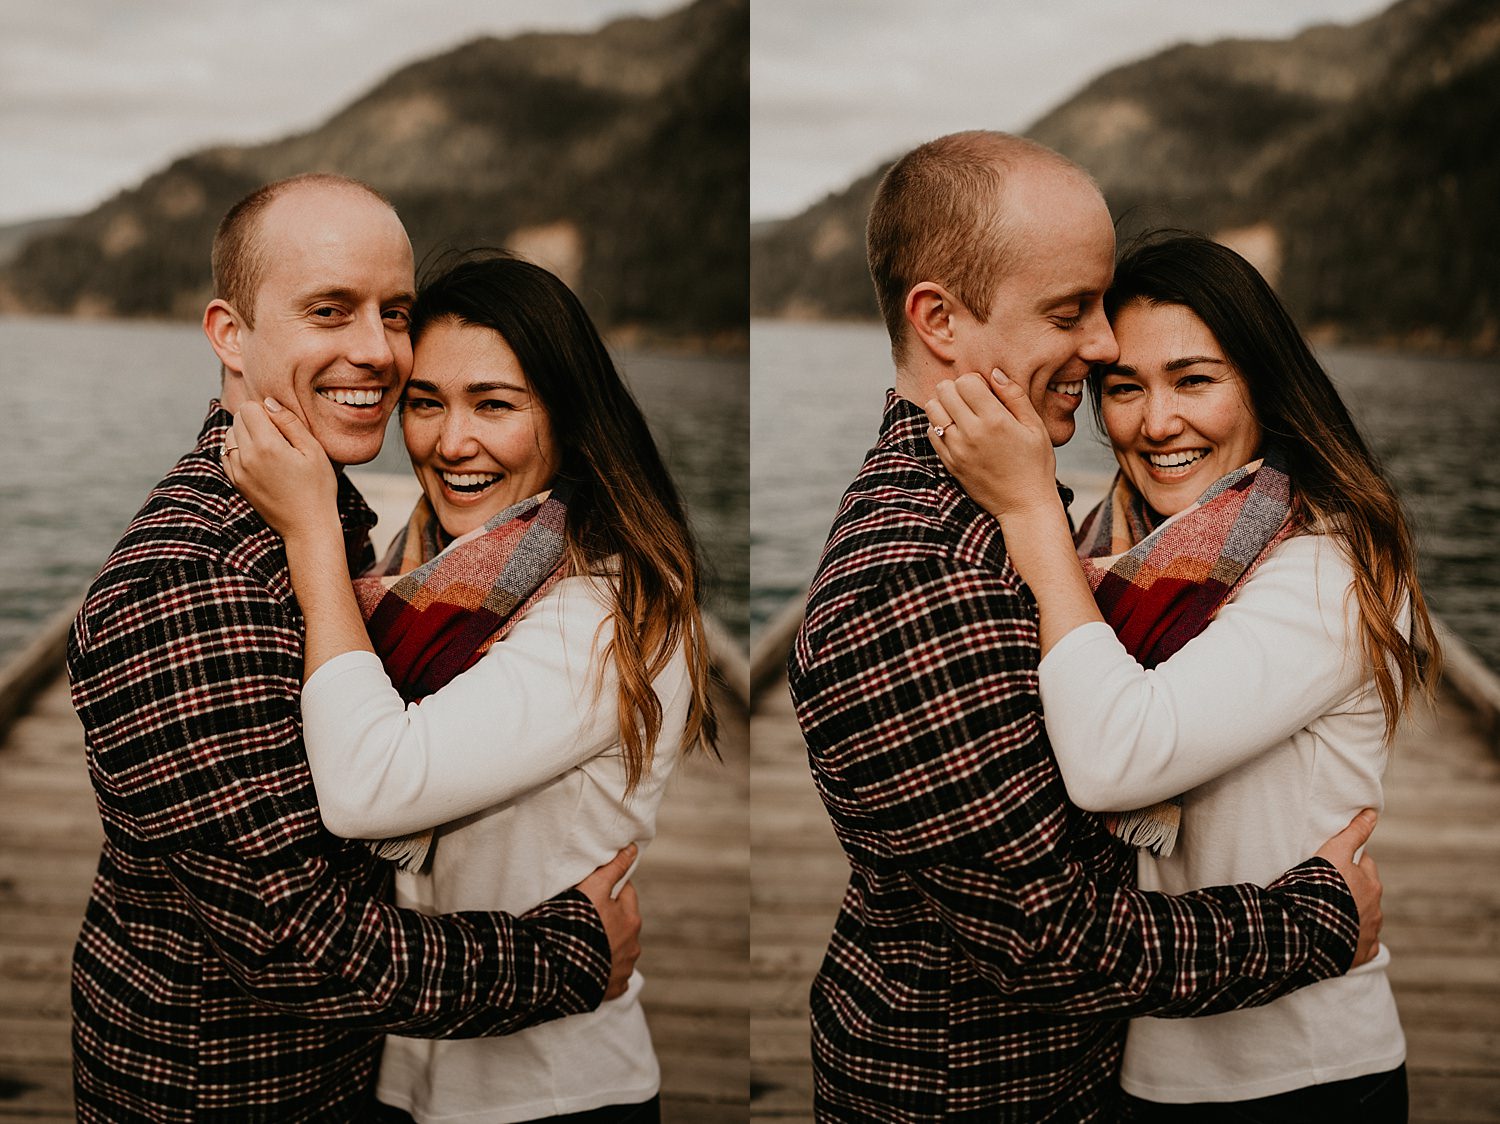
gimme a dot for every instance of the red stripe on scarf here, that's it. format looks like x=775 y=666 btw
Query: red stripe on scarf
x=445 y=612
x=1159 y=584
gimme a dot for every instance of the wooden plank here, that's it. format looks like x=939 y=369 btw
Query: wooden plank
x=797 y=881
x=694 y=886
x=695 y=900
x=1437 y=846
x=39 y=1091
x=1453 y=1098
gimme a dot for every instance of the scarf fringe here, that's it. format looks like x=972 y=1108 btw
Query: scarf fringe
x=517 y=555
x=408 y=852
x=1125 y=549
x=1154 y=828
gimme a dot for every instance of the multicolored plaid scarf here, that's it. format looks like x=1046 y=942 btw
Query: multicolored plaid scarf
x=433 y=612
x=1159 y=582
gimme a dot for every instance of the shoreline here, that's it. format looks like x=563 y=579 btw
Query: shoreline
x=629 y=338
x=1321 y=338
x=42 y=658
x=31 y=669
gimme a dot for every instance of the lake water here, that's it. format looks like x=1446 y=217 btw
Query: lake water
x=94 y=413
x=816 y=396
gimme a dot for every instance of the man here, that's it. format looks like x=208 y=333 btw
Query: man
x=990 y=940
x=237 y=961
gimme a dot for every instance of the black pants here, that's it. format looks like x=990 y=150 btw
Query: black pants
x=1379 y=1098
x=646 y=1112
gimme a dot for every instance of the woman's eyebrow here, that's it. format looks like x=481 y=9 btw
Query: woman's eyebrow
x=1116 y=369
x=1192 y=361
x=469 y=388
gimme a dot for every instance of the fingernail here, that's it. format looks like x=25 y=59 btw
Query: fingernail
x=999 y=376
x=273 y=406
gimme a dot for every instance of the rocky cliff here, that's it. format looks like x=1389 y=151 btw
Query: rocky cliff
x=620 y=158
x=1356 y=165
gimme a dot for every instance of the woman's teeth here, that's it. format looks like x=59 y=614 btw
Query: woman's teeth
x=354 y=397
x=468 y=481
x=1176 y=460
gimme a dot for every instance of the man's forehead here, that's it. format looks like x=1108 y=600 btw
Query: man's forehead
x=1059 y=269
x=1066 y=247
x=395 y=290
x=325 y=211
x=334 y=240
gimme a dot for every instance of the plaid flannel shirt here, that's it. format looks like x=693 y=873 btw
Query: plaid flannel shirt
x=990 y=941
x=238 y=962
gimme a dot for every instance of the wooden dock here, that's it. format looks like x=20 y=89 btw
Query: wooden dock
x=1438 y=849
x=693 y=883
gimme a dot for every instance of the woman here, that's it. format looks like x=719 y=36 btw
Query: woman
x=546 y=651
x=1262 y=581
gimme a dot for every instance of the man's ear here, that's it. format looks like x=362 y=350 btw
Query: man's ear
x=224 y=329
x=930 y=311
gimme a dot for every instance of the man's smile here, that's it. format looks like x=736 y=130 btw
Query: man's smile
x=345 y=396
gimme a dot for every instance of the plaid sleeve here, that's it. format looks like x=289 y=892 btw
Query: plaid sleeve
x=188 y=688
x=919 y=701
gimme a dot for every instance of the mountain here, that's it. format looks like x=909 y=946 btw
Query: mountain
x=620 y=158
x=13 y=236
x=1352 y=164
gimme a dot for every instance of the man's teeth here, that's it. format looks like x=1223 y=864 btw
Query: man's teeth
x=1176 y=460
x=469 y=481
x=354 y=397
x=1068 y=387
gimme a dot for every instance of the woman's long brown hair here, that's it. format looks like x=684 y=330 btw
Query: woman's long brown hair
x=1338 y=487
x=626 y=517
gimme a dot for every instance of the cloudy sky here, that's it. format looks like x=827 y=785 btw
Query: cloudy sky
x=97 y=94
x=839 y=85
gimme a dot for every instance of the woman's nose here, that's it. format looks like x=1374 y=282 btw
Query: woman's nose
x=455 y=439
x=1162 y=421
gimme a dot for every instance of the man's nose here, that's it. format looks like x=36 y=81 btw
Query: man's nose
x=369 y=344
x=1099 y=344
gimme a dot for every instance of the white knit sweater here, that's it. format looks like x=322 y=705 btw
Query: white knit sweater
x=1268 y=723
x=519 y=759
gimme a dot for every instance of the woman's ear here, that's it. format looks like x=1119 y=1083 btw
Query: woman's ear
x=930 y=311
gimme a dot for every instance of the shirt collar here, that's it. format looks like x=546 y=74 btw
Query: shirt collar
x=354 y=513
x=904 y=427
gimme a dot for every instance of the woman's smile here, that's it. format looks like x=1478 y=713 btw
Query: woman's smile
x=1176 y=410
x=468 y=485
x=478 y=437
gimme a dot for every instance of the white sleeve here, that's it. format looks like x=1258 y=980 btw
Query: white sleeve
x=1278 y=654
x=525 y=713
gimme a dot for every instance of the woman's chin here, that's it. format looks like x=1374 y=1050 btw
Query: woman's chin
x=1167 y=502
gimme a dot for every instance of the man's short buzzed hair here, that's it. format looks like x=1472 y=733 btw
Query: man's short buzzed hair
x=939 y=215
x=238 y=257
